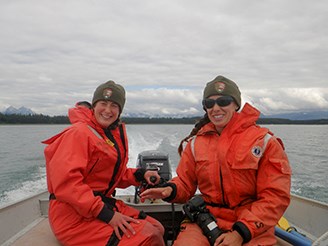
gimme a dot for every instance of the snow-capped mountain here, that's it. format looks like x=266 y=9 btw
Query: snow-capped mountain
x=21 y=111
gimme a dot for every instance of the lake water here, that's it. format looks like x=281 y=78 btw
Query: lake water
x=22 y=166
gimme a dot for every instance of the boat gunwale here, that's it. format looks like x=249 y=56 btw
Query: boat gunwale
x=37 y=204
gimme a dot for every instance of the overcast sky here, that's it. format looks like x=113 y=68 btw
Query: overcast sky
x=55 y=53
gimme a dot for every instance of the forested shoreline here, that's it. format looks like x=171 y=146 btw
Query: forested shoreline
x=46 y=119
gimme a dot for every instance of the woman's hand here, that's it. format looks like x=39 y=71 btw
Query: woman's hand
x=148 y=177
x=121 y=221
x=229 y=238
x=156 y=193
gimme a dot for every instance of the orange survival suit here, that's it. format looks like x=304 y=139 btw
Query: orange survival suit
x=84 y=166
x=243 y=175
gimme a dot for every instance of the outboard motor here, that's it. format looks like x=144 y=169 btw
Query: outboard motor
x=153 y=160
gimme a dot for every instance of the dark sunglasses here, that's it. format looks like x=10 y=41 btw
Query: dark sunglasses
x=221 y=101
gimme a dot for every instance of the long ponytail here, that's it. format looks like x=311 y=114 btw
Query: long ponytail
x=199 y=124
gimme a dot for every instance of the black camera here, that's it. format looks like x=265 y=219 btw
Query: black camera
x=196 y=211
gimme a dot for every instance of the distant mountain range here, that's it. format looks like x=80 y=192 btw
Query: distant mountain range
x=313 y=115
x=20 y=111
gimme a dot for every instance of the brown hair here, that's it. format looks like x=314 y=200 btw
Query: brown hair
x=199 y=124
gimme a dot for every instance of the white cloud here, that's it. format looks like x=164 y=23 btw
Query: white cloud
x=164 y=101
x=316 y=97
x=288 y=99
x=55 y=53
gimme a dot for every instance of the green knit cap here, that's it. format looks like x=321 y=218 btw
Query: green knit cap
x=110 y=91
x=222 y=86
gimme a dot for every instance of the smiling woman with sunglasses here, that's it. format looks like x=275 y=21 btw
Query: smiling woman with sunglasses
x=240 y=169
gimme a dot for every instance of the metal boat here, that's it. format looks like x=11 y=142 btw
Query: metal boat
x=25 y=222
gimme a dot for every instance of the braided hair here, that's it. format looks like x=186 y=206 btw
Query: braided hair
x=199 y=124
